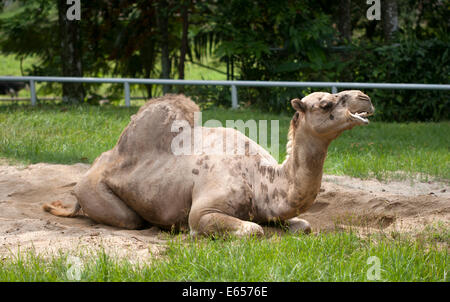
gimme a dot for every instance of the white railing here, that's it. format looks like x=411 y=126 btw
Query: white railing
x=234 y=84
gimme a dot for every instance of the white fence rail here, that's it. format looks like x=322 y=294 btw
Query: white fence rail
x=233 y=84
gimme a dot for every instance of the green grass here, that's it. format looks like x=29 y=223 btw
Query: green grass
x=67 y=135
x=321 y=257
x=392 y=150
x=10 y=65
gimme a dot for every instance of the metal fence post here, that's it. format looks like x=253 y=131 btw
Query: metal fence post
x=33 y=93
x=234 y=97
x=334 y=89
x=127 y=93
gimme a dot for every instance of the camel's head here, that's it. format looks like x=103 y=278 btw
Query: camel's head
x=327 y=115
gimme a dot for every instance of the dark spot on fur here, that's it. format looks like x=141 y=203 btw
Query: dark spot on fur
x=283 y=193
x=195 y=171
x=326 y=105
x=206 y=166
x=264 y=188
x=275 y=193
x=316 y=161
x=343 y=99
x=271 y=172
x=247 y=148
x=262 y=169
x=245 y=209
x=331 y=117
x=199 y=161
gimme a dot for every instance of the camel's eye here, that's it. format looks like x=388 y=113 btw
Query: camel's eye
x=326 y=105
x=344 y=100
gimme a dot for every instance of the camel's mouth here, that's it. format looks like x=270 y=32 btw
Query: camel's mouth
x=360 y=117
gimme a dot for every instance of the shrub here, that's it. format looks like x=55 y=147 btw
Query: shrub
x=413 y=61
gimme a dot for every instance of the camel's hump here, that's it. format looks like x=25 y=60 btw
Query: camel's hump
x=183 y=107
x=151 y=126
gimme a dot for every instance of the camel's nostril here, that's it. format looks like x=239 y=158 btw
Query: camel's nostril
x=363 y=97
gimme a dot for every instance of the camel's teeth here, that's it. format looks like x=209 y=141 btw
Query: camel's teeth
x=359 y=117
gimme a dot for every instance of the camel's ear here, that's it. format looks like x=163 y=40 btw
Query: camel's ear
x=298 y=105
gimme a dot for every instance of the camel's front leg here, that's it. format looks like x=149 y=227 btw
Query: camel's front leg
x=297 y=225
x=213 y=210
x=218 y=223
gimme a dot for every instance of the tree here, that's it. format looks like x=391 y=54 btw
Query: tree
x=344 y=22
x=123 y=40
x=163 y=26
x=273 y=40
x=389 y=16
x=71 y=57
x=184 y=37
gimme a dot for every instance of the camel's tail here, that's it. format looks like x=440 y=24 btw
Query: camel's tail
x=58 y=209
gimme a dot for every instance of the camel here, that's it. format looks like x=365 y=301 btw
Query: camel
x=141 y=182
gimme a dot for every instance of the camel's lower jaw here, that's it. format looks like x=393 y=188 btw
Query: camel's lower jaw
x=360 y=118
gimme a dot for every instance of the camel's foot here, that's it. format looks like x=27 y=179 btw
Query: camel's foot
x=297 y=225
x=249 y=229
x=219 y=223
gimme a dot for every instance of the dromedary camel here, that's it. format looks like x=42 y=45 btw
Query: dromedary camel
x=141 y=181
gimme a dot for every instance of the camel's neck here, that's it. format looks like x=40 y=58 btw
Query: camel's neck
x=304 y=170
x=300 y=178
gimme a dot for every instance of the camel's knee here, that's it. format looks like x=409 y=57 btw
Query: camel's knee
x=130 y=223
x=115 y=216
x=101 y=205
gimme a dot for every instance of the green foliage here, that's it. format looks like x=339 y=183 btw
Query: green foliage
x=118 y=39
x=209 y=96
x=410 y=61
x=295 y=41
x=21 y=35
x=274 y=41
x=264 y=40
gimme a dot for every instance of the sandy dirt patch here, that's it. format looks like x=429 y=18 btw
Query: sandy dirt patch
x=343 y=201
x=400 y=206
